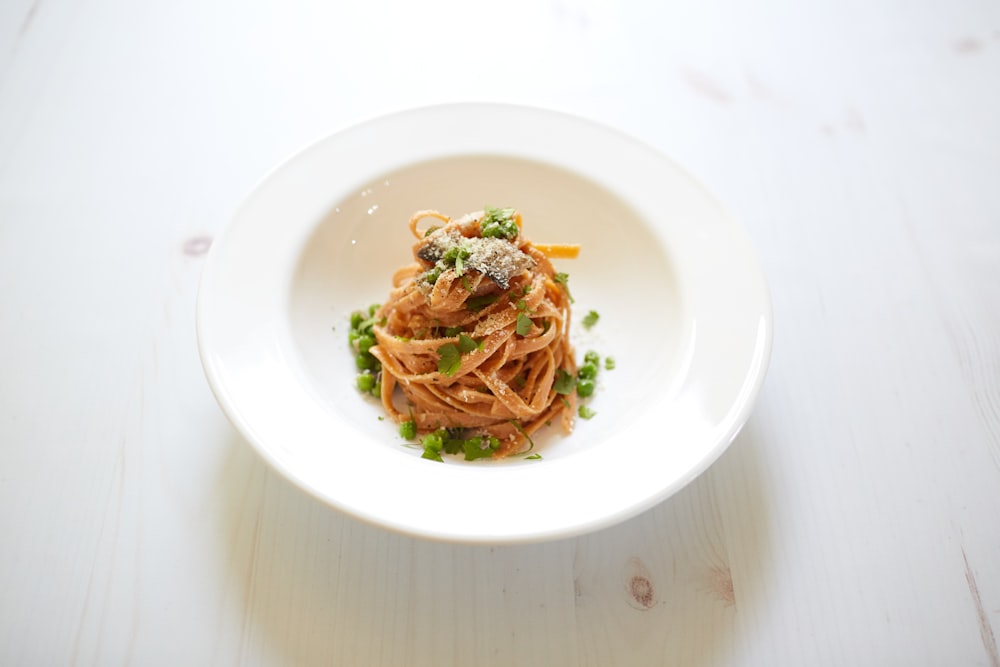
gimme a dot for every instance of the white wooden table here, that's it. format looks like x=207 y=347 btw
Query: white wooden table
x=855 y=520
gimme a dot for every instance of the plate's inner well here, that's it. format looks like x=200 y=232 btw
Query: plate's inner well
x=624 y=273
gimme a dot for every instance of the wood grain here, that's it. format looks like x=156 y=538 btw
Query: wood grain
x=853 y=521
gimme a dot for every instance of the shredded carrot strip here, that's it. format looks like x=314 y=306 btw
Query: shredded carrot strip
x=558 y=250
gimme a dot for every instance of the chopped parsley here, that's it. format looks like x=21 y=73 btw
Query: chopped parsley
x=450 y=354
x=449 y=359
x=498 y=223
x=523 y=324
x=563 y=279
x=467 y=344
x=433 y=443
x=590 y=319
x=481 y=447
x=454 y=256
x=477 y=303
x=533 y=457
x=564 y=382
x=433 y=274
x=585 y=412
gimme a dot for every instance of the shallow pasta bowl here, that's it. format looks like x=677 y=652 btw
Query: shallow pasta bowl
x=683 y=305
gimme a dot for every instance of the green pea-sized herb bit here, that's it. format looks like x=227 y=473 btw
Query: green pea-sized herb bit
x=408 y=429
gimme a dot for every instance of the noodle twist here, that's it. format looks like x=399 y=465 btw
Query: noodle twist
x=475 y=333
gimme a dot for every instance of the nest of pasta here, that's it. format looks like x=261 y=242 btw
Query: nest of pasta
x=475 y=333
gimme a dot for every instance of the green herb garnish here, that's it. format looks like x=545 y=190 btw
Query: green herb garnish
x=477 y=303
x=466 y=344
x=365 y=382
x=450 y=354
x=408 y=429
x=591 y=364
x=449 y=359
x=533 y=457
x=520 y=429
x=498 y=223
x=585 y=412
x=590 y=319
x=361 y=338
x=480 y=447
x=563 y=279
x=609 y=363
x=523 y=324
x=564 y=382
x=433 y=443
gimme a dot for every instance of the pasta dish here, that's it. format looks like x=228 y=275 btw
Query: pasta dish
x=475 y=335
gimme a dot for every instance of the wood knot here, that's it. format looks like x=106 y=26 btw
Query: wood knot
x=720 y=581
x=641 y=589
x=641 y=592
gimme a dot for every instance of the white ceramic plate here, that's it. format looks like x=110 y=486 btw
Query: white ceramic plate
x=683 y=306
